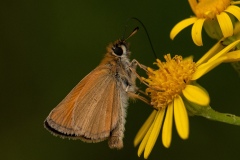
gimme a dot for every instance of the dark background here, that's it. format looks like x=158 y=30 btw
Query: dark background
x=47 y=47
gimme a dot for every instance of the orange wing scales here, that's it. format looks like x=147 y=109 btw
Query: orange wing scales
x=101 y=111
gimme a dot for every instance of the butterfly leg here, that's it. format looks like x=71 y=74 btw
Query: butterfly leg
x=134 y=62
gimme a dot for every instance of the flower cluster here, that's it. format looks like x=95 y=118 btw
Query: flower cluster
x=172 y=87
x=214 y=15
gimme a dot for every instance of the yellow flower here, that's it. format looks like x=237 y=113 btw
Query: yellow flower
x=171 y=88
x=209 y=12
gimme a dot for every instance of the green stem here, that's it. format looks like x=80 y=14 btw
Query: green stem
x=209 y=113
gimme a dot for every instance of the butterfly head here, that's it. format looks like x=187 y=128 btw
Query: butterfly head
x=119 y=49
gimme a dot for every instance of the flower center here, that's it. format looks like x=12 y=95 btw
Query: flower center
x=169 y=80
x=209 y=8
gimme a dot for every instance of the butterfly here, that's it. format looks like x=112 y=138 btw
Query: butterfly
x=95 y=109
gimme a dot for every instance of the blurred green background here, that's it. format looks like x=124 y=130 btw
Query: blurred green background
x=47 y=47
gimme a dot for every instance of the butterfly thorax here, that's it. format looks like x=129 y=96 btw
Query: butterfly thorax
x=117 y=60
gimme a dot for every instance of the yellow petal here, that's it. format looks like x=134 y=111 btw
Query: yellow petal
x=206 y=67
x=154 y=133
x=144 y=141
x=167 y=127
x=234 y=10
x=181 y=118
x=235 y=2
x=145 y=127
x=146 y=137
x=197 y=32
x=181 y=25
x=236 y=28
x=193 y=4
x=225 y=24
x=214 y=61
x=218 y=46
x=196 y=95
x=233 y=56
x=224 y=51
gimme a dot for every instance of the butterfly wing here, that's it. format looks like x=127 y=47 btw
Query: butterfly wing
x=98 y=118
x=90 y=111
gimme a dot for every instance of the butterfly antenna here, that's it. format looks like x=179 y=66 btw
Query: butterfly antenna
x=132 y=33
x=136 y=29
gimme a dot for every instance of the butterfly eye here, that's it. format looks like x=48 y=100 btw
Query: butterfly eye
x=117 y=50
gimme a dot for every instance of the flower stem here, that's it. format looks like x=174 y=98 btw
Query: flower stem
x=209 y=113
